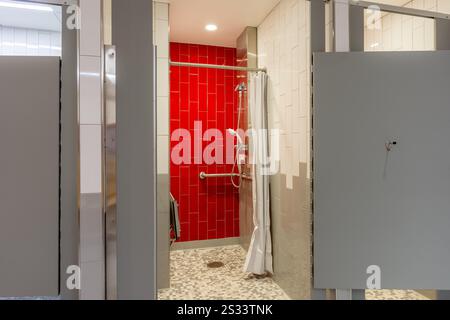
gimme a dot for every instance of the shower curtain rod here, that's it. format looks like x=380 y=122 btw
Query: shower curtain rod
x=216 y=66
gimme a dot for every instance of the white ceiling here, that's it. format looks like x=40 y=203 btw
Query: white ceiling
x=30 y=18
x=189 y=17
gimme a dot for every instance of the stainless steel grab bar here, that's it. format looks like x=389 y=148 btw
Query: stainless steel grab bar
x=204 y=175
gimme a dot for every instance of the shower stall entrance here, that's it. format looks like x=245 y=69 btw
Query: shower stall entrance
x=215 y=160
x=233 y=70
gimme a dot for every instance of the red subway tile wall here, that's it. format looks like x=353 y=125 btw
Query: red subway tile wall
x=209 y=209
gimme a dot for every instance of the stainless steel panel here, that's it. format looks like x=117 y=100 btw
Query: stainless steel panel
x=29 y=171
x=374 y=207
x=247 y=56
x=110 y=173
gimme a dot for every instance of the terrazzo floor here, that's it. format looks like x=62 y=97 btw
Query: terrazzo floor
x=191 y=279
x=394 y=295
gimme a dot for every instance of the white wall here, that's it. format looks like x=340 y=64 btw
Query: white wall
x=29 y=42
x=283 y=48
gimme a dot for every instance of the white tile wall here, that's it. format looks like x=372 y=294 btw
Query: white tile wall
x=161 y=40
x=91 y=228
x=90 y=90
x=91 y=158
x=163 y=116
x=283 y=47
x=29 y=42
x=90 y=94
x=405 y=33
x=90 y=22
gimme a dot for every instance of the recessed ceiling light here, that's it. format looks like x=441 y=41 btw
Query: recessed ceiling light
x=211 y=27
x=31 y=6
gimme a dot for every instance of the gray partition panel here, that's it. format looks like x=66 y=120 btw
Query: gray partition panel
x=375 y=207
x=136 y=149
x=442 y=34
x=356 y=28
x=70 y=156
x=29 y=171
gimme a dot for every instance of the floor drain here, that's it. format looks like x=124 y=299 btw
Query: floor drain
x=215 y=265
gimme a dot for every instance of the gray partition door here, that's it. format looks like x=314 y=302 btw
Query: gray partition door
x=29 y=176
x=382 y=169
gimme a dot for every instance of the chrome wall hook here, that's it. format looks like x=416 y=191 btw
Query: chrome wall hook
x=390 y=145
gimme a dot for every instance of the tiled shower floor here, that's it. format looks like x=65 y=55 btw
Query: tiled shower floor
x=191 y=279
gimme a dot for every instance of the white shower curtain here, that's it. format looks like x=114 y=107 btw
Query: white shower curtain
x=259 y=259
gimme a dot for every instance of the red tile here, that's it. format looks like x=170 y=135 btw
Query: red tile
x=220 y=52
x=202 y=51
x=184 y=119
x=221 y=123
x=208 y=209
x=203 y=72
x=212 y=55
x=193 y=227
x=174 y=79
x=184 y=231
x=229 y=93
x=203 y=96
x=212 y=81
x=183 y=75
x=193 y=88
x=230 y=56
x=193 y=53
x=220 y=212
x=193 y=114
x=212 y=107
x=220 y=229
x=184 y=49
x=184 y=57
x=184 y=96
x=220 y=98
x=174 y=52
x=203 y=231
x=212 y=234
x=193 y=202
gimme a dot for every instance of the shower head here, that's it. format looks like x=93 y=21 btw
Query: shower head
x=234 y=133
